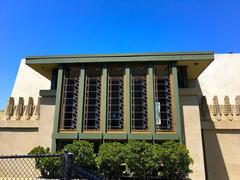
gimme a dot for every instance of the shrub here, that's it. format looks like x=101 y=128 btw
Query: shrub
x=83 y=153
x=140 y=158
x=170 y=160
x=176 y=160
x=48 y=166
x=110 y=158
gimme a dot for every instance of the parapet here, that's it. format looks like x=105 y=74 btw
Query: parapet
x=30 y=111
x=220 y=116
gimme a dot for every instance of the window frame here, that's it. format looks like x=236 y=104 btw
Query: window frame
x=170 y=76
x=148 y=100
x=124 y=97
x=87 y=67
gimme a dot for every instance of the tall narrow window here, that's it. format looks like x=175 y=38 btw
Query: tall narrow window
x=115 y=98
x=70 y=98
x=139 y=98
x=93 y=98
x=163 y=105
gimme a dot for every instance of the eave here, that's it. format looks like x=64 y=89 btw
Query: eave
x=195 y=61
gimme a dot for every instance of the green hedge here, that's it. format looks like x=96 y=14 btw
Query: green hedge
x=169 y=160
x=110 y=158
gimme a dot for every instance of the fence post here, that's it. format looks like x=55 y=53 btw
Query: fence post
x=68 y=160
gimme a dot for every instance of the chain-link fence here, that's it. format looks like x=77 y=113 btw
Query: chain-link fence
x=43 y=166
x=29 y=166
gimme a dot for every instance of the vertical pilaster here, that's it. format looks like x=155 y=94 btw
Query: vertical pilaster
x=151 y=99
x=57 y=105
x=80 y=119
x=104 y=99
x=179 y=124
x=127 y=99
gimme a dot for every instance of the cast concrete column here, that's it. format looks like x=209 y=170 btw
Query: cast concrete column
x=193 y=137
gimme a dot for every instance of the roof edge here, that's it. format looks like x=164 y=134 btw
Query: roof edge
x=120 y=55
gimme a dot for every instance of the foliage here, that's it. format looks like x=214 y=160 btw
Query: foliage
x=170 y=160
x=176 y=160
x=110 y=158
x=83 y=153
x=48 y=166
x=140 y=157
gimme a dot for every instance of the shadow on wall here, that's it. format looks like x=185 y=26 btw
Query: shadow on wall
x=215 y=166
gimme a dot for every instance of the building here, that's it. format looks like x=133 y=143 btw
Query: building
x=117 y=97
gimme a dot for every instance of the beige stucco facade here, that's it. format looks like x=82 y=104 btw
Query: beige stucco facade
x=221 y=78
x=19 y=133
x=211 y=135
x=28 y=83
x=192 y=129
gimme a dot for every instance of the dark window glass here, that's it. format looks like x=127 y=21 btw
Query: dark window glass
x=115 y=98
x=70 y=97
x=92 y=98
x=139 y=98
x=163 y=112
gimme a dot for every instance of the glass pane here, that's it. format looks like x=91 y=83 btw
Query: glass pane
x=139 y=98
x=163 y=112
x=92 y=98
x=115 y=98
x=70 y=97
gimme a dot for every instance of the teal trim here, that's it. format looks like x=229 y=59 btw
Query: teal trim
x=80 y=119
x=165 y=136
x=47 y=93
x=140 y=136
x=57 y=105
x=179 y=124
x=119 y=136
x=91 y=136
x=45 y=64
x=165 y=54
x=104 y=98
x=151 y=99
x=128 y=99
x=66 y=135
x=135 y=59
x=19 y=129
x=115 y=136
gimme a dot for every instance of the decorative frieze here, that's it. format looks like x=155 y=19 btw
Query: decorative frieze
x=237 y=105
x=9 y=111
x=220 y=112
x=22 y=111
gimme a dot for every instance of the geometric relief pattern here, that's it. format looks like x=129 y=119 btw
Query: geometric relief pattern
x=21 y=111
x=223 y=112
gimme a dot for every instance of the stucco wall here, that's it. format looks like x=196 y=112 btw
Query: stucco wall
x=189 y=106
x=222 y=149
x=28 y=83
x=15 y=141
x=18 y=135
x=221 y=77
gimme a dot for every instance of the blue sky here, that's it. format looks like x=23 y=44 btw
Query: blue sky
x=107 y=26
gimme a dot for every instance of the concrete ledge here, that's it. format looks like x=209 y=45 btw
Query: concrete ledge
x=19 y=124
x=220 y=124
x=47 y=93
x=189 y=92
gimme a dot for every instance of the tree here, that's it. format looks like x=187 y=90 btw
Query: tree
x=110 y=158
x=140 y=158
x=176 y=160
x=49 y=167
x=83 y=153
